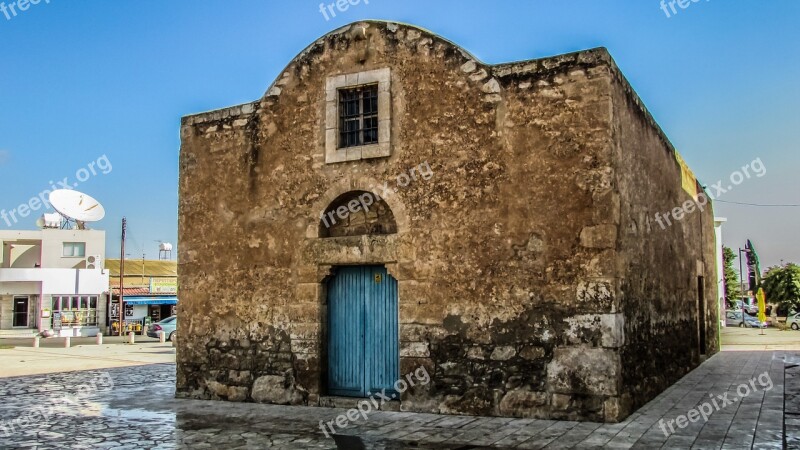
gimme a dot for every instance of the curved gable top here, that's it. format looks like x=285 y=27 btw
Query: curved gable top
x=357 y=30
x=353 y=27
x=498 y=74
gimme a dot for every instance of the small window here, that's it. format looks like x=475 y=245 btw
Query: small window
x=74 y=249
x=358 y=116
x=93 y=302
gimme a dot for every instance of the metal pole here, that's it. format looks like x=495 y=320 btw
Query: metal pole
x=122 y=276
x=741 y=275
x=741 y=282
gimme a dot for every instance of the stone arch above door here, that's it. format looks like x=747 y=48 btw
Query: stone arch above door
x=357 y=213
x=350 y=184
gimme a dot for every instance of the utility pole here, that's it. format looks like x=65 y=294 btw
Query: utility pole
x=741 y=272
x=741 y=278
x=122 y=276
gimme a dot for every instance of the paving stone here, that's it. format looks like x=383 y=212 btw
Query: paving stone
x=141 y=412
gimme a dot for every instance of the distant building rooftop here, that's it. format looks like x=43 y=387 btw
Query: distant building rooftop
x=147 y=268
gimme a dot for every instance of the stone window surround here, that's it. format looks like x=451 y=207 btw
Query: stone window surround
x=334 y=154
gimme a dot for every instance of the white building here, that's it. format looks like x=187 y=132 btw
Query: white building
x=53 y=279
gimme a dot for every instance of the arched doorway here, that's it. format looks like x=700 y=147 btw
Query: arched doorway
x=363 y=305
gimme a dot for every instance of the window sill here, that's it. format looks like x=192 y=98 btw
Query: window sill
x=380 y=150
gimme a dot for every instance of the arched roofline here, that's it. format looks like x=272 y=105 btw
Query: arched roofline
x=345 y=28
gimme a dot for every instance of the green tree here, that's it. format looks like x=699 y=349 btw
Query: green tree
x=733 y=290
x=782 y=285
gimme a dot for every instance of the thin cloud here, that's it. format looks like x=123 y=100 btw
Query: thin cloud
x=5 y=155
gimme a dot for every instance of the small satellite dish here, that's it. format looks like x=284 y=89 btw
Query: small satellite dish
x=77 y=206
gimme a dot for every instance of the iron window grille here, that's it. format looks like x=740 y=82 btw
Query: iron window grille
x=358 y=116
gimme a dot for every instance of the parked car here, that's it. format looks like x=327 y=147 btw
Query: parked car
x=793 y=321
x=734 y=319
x=169 y=326
x=750 y=309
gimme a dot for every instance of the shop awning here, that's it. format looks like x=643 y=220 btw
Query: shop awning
x=151 y=300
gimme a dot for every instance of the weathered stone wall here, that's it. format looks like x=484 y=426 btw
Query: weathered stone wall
x=658 y=263
x=505 y=257
x=557 y=125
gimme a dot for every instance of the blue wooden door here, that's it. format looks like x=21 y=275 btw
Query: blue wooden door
x=363 y=353
x=346 y=336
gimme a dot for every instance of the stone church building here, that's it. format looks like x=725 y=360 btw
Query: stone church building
x=524 y=233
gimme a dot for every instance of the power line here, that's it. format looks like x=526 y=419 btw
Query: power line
x=761 y=204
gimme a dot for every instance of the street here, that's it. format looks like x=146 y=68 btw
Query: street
x=75 y=341
x=52 y=357
x=140 y=411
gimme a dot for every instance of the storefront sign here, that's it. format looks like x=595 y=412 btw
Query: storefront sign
x=163 y=285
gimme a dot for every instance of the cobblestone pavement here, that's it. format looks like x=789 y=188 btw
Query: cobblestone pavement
x=82 y=410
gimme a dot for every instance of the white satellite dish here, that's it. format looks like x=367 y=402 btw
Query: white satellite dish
x=77 y=206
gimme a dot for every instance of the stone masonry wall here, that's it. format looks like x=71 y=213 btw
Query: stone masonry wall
x=658 y=266
x=505 y=258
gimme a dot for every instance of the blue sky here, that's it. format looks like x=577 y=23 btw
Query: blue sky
x=80 y=80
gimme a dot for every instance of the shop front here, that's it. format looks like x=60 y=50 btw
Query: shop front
x=74 y=315
x=52 y=302
x=141 y=312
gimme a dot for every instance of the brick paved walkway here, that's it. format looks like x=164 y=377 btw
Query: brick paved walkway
x=140 y=412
